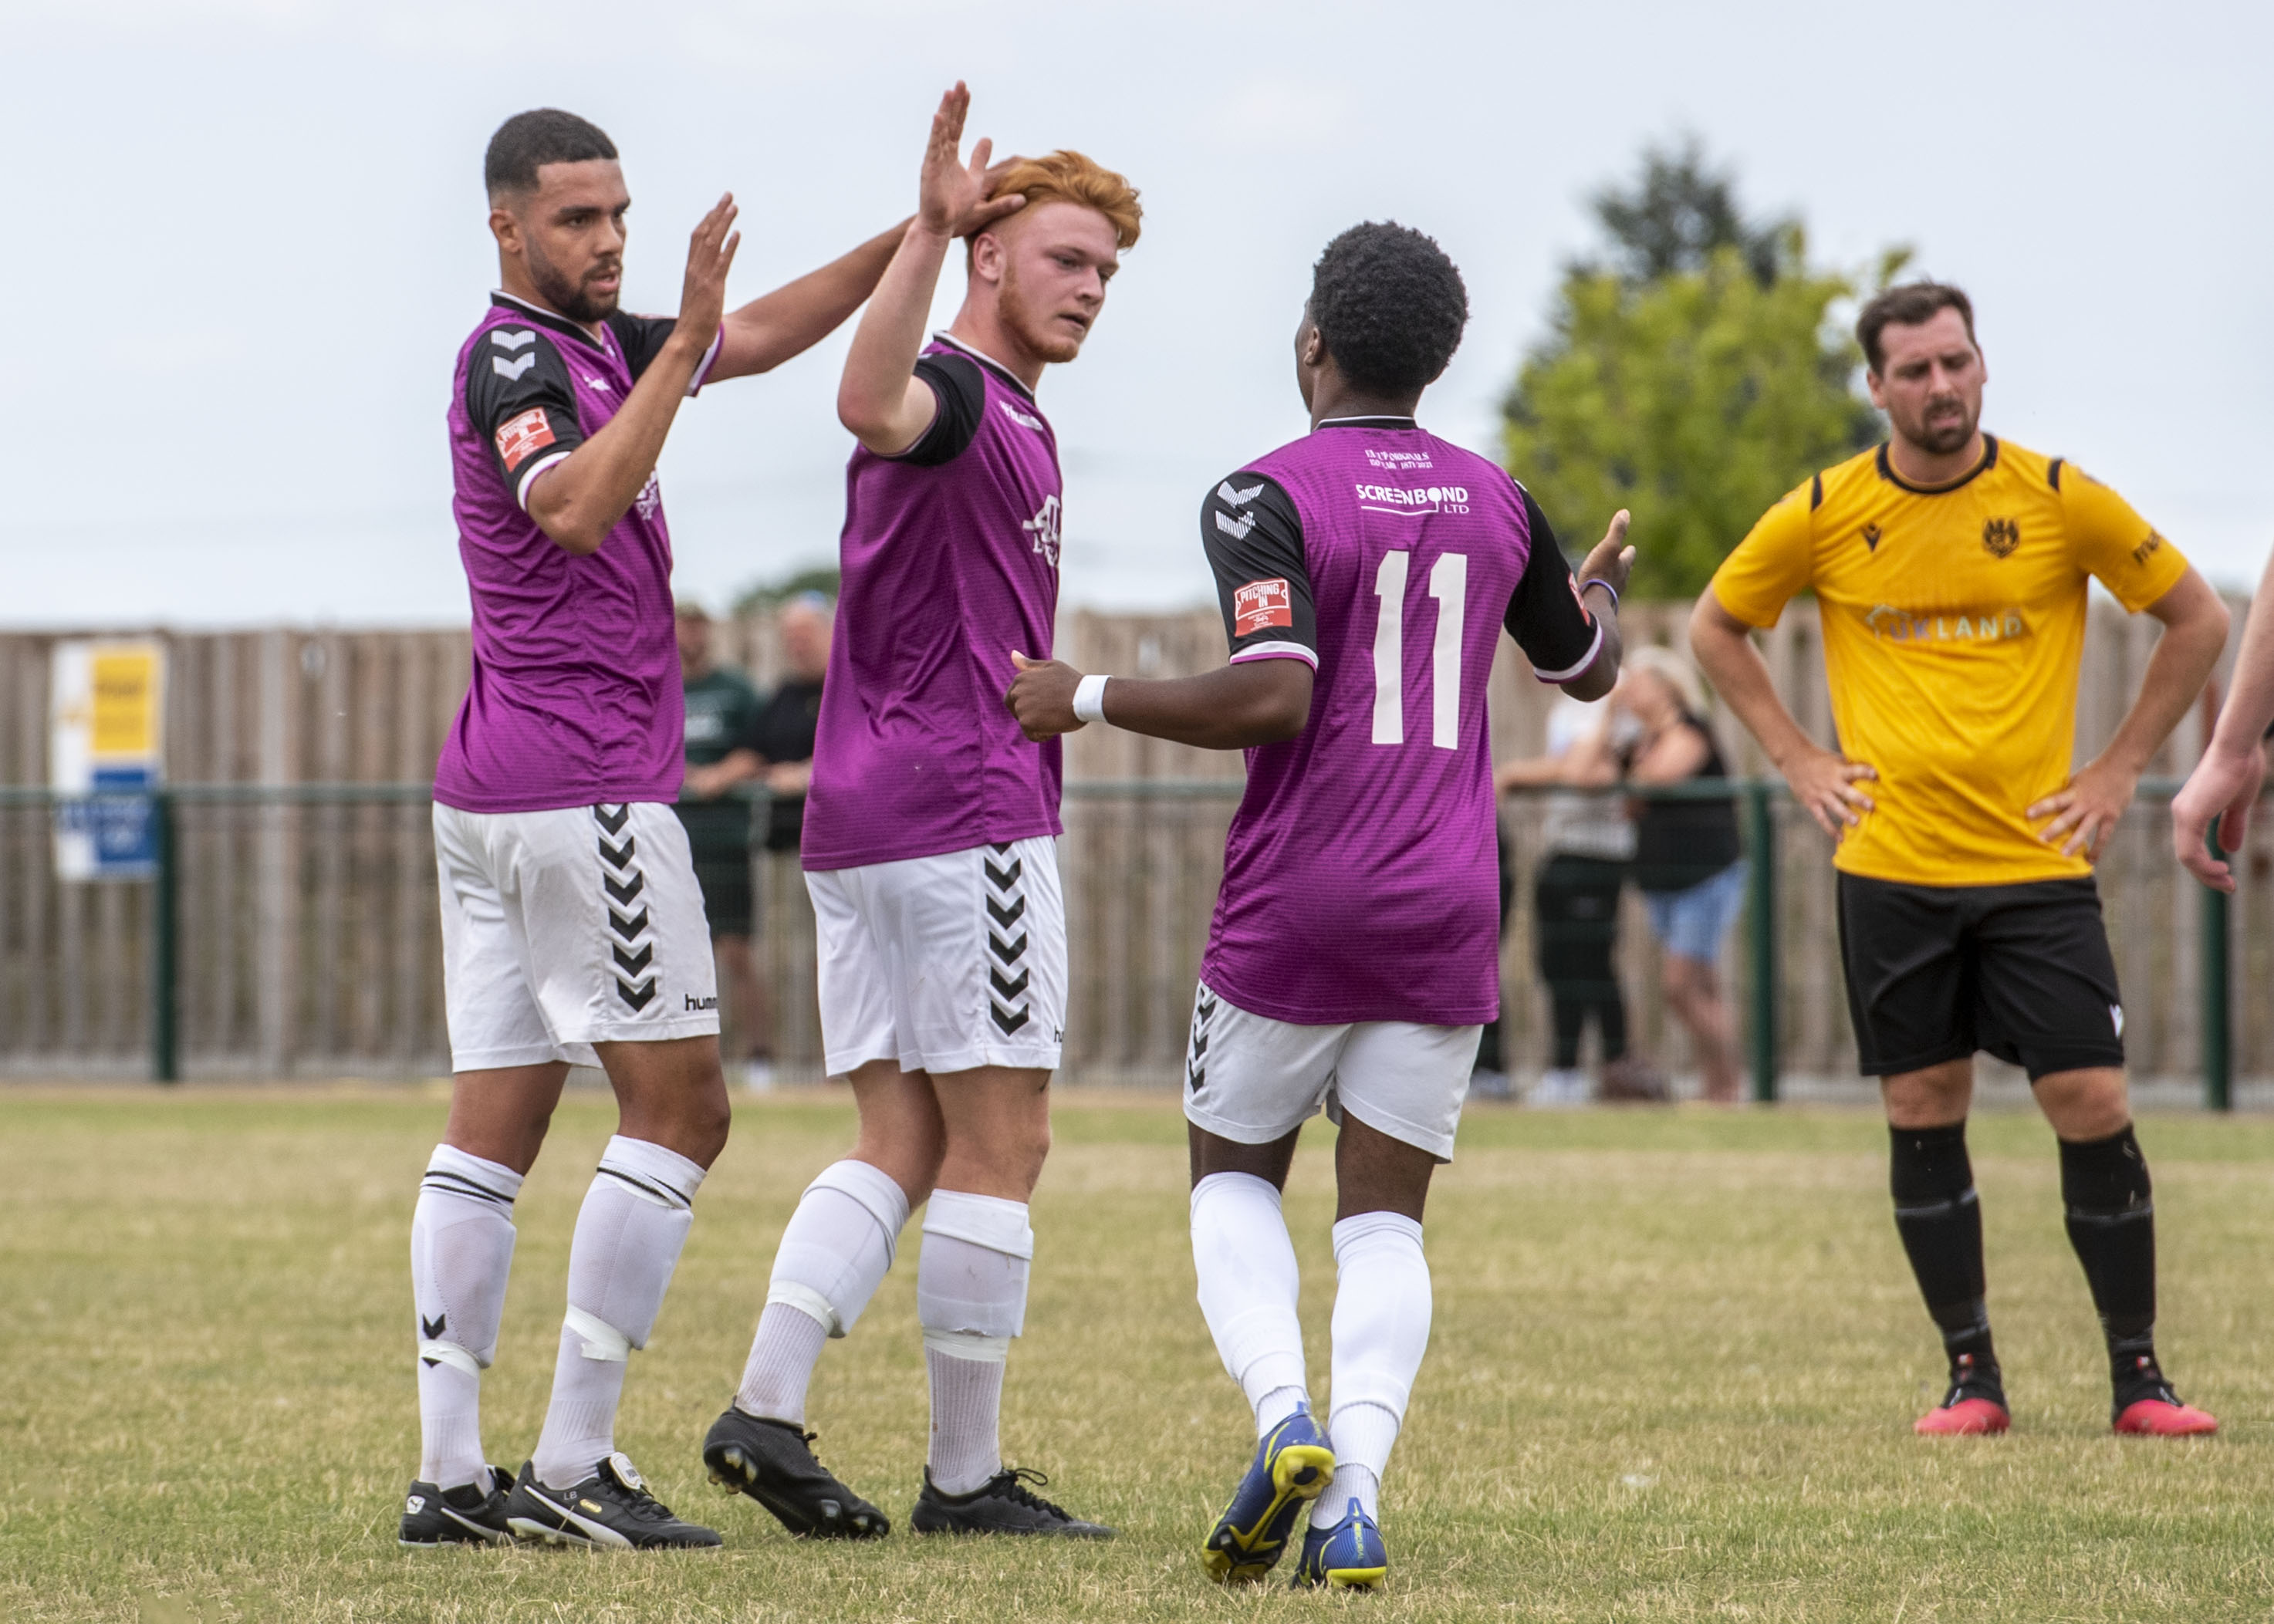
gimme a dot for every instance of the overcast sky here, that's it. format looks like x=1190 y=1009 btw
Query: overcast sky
x=247 y=239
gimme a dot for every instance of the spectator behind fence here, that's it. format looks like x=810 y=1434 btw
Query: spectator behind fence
x=722 y=711
x=1688 y=864
x=1586 y=843
x=782 y=736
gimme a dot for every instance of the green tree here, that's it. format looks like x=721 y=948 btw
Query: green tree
x=1692 y=376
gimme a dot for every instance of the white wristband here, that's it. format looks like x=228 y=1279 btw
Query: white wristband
x=1089 y=699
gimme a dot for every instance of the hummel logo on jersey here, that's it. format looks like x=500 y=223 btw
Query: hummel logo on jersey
x=1023 y=420
x=1043 y=526
x=1230 y=498
x=511 y=341
x=507 y=369
x=598 y=383
x=650 y=499
x=1237 y=529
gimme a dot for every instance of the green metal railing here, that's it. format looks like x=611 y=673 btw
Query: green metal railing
x=1758 y=797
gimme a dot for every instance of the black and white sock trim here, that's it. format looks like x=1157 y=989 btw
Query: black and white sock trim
x=632 y=946
x=1008 y=976
x=444 y=1182
x=653 y=1188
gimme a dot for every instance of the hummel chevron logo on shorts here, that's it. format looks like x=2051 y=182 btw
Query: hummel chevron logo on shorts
x=632 y=948
x=1196 y=1057
x=1008 y=978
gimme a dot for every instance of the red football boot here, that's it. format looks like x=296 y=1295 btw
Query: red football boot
x=1976 y=1405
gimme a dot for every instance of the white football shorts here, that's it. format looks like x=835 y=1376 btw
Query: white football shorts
x=566 y=928
x=1252 y=1079
x=941 y=964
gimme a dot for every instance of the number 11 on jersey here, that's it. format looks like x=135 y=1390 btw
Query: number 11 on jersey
x=1448 y=584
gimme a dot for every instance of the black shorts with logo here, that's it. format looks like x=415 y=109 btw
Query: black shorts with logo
x=1936 y=972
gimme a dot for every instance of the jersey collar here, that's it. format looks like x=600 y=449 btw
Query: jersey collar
x=550 y=321
x=1382 y=422
x=984 y=360
x=1989 y=460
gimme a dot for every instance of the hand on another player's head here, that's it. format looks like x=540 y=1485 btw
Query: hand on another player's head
x=1825 y=782
x=2224 y=786
x=1611 y=557
x=953 y=196
x=710 y=255
x=1041 y=697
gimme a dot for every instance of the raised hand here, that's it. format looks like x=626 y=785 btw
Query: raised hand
x=1611 y=557
x=952 y=196
x=710 y=255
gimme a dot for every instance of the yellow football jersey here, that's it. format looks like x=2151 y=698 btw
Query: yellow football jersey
x=1953 y=625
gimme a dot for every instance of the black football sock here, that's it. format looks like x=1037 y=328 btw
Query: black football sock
x=1939 y=1218
x=1611 y=1023
x=1570 y=1019
x=2111 y=1223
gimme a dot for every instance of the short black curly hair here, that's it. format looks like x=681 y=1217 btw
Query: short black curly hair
x=526 y=142
x=1391 y=306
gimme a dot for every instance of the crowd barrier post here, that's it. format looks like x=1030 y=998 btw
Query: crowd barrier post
x=165 y=943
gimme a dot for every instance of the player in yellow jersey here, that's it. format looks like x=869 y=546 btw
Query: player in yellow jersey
x=1951 y=572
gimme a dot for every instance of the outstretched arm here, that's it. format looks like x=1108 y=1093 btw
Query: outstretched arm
x=577 y=500
x=880 y=398
x=1821 y=780
x=2087 y=808
x=794 y=318
x=2226 y=782
x=1233 y=708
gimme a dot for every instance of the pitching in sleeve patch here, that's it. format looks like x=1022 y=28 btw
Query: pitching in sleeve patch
x=531 y=432
x=1260 y=605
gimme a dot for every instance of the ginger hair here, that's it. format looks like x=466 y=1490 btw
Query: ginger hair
x=1069 y=177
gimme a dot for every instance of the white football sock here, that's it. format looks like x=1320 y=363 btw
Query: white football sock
x=971 y=1300
x=832 y=1256
x=629 y=1234
x=1249 y=1288
x=461 y=1251
x=1381 y=1331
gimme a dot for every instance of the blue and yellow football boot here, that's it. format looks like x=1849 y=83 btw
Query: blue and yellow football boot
x=1292 y=1466
x=1349 y=1556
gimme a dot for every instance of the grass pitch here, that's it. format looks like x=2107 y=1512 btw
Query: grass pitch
x=1676 y=1359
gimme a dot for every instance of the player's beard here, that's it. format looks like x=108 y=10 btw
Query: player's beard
x=1035 y=331
x=1946 y=434
x=572 y=299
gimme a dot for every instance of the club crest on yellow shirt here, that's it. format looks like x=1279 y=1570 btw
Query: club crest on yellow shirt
x=2001 y=537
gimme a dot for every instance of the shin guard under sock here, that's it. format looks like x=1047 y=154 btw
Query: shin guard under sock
x=462 y=1239
x=971 y=1300
x=2111 y=1224
x=1939 y=1218
x=1249 y=1288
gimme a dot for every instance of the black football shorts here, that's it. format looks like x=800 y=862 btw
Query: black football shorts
x=1936 y=972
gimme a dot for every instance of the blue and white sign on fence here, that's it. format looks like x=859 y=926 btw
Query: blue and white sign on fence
x=106 y=739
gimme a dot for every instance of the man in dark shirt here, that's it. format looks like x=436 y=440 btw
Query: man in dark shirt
x=722 y=707
x=781 y=731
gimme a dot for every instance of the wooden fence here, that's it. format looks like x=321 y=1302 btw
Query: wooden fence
x=308 y=925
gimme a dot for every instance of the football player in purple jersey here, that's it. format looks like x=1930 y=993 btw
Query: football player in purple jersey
x=930 y=841
x=572 y=924
x=1365 y=572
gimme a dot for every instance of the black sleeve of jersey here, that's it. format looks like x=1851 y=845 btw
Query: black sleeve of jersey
x=962 y=396
x=641 y=337
x=1546 y=617
x=520 y=402
x=1253 y=540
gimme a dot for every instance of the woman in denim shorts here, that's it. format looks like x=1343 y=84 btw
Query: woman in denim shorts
x=1687 y=863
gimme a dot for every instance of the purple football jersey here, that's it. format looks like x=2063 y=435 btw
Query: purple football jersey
x=951 y=561
x=1360 y=882
x=575 y=694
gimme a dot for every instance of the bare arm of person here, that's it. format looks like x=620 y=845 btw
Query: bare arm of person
x=2226 y=782
x=2086 y=809
x=1232 y=708
x=880 y=399
x=738 y=765
x=1670 y=757
x=579 y=500
x=774 y=327
x=1822 y=780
